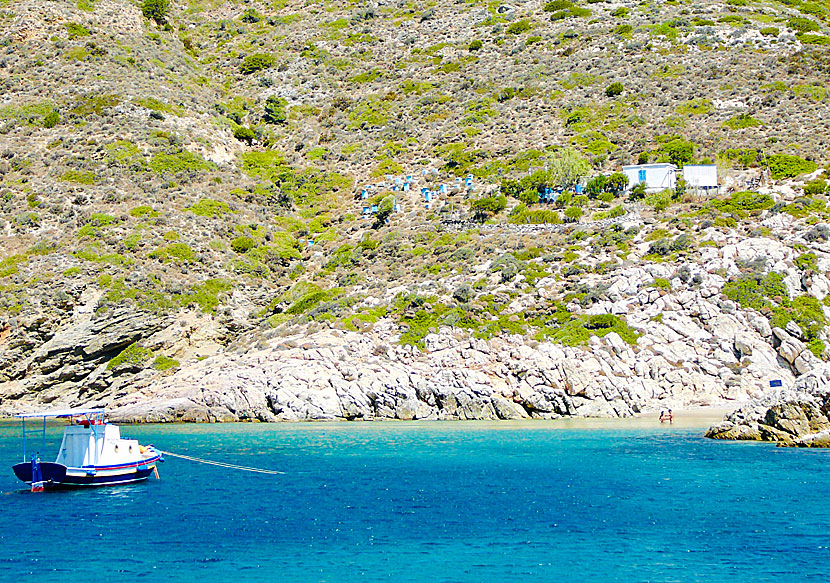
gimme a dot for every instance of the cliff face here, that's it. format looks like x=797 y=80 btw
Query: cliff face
x=184 y=232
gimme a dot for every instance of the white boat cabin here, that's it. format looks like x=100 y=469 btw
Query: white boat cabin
x=96 y=445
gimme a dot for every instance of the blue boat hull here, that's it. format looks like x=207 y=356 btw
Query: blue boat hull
x=55 y=476
x=80 y=481
x=50 y=472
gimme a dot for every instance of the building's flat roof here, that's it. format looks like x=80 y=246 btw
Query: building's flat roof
x=658 y=165
x=61 y=413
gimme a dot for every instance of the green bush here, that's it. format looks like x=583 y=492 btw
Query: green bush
x=157 y=10
x=601 y=321
x=94 y=104
x=475 y=45
x=577 y=331
x=143 y=211
x=257 y=62
x=802 y=24
x=659 y=201
x=79 y=177
x=805 y=311
x=787 y=166
x=209 y=208
x=556 y=5
x=638 y=192
x=770 y=31
x=741 y=121
x=51 y=119
x=244 y=134
x=754 y=291
x=177 y=253
x=76 y=30
x=486 y=207
x=205 y=295
x=184 y=161
x=807 y=261
x=251 y=16
x=573 y=214
x=813 y=39
x=162 y=363
x=815 y=187
x=743 y=158
x=134 y=354
x=519 y=27
x=745 y=201
x=535 y=217
x=614 y=89
x=243 y=244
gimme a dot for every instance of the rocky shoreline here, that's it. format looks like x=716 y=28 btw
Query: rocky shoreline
x=693 y=347
x=799 y=417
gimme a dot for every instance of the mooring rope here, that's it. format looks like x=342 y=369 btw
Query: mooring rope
x=220 y=464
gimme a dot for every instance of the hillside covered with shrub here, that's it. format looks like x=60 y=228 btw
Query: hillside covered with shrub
x=182 y=182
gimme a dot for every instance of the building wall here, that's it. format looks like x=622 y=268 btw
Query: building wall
x=701 y=175
x=656 y=176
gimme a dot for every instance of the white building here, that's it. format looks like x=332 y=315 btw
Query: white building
x=701 y=177
x=656 y=177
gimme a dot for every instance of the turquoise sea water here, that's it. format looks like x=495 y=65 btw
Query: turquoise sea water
x=452 y=502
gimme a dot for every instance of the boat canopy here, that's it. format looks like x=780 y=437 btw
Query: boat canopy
x=61 y=413
x=93 y=418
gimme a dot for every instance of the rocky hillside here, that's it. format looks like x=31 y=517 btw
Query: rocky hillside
x=185 y=235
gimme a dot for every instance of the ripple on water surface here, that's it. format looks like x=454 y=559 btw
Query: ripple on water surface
x=461 y=502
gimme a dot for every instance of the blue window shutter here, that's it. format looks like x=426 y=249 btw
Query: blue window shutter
x=641 y=175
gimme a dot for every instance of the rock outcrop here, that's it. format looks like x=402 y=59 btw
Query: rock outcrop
x=347 y=375
x=798 y=417
x=74 y=360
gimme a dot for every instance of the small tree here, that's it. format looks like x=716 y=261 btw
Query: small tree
x=156 y=10
x=677 y=151
x=568 y=167
x=616 y=183
x=463 y=293
x=596 y=185
x=275 y=110
x=385 y=208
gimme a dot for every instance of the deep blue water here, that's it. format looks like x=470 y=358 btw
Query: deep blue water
x=452 y=502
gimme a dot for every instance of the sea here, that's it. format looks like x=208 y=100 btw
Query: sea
x=601 y=501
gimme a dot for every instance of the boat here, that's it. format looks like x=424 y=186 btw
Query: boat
x=92 y=453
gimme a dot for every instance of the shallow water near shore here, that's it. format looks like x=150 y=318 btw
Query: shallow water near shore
x=586 y=500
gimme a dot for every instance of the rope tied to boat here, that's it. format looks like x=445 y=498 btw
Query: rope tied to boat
x=220 y=464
